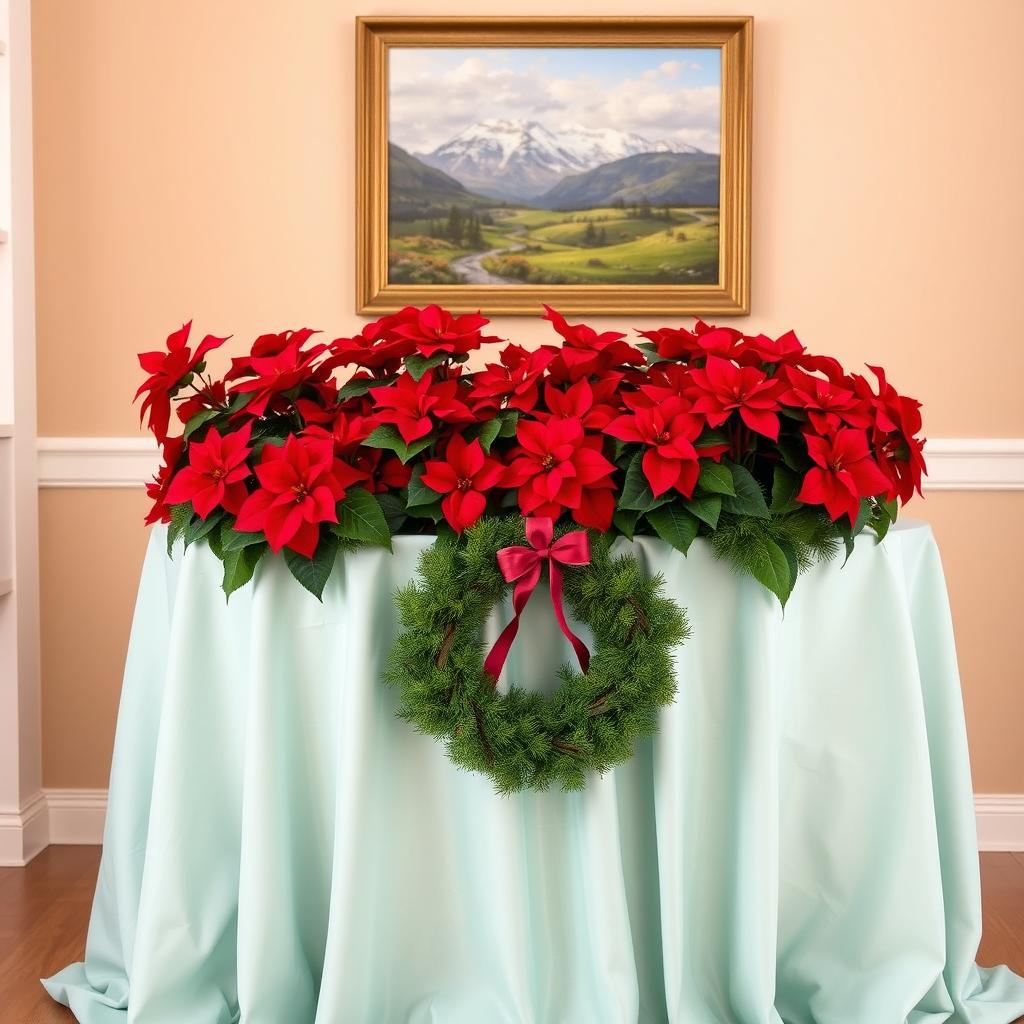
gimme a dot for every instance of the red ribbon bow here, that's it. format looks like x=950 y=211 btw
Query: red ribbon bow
x=525 y=564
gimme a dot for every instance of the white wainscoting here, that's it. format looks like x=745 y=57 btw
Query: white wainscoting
x=75 y=817
x=954 y=463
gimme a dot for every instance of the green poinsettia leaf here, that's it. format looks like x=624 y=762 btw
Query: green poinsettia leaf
x=637 y=495
x=181 y=516
x=850 y=533
x=770 y=566
x=362 y=386
x=313 y=573
x=675 y=525
x=387 y=436
x=361 y=518
x=201 y=417
x=706 y=509
x=234 y=540
x=419 y=493
x=239 y=566
x=509 y=421
x=418 y=365
x=432 y=512
x=715 y=479
x=794 y=453
x=749 y=498
x=198 y=528
x=394 y=511
x=488 y=433
x=625 y=521
x=785 y=487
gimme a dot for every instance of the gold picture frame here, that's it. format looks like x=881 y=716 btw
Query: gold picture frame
x=377 y=36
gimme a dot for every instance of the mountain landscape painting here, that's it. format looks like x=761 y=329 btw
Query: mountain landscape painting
x=553 y=166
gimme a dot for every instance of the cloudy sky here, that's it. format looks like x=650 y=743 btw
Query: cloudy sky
x=660 y=94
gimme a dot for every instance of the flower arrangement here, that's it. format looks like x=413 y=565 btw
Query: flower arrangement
x=309 y=446
x=536 y=462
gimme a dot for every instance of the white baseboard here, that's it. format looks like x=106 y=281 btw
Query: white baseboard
x=25 y=833
x=76 y=817
x=954 y=463
x=1000 y=819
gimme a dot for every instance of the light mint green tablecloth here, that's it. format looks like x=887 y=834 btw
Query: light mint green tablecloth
x=797 y=844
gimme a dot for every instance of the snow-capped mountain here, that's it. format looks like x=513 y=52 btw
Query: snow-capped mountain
x=521 y=159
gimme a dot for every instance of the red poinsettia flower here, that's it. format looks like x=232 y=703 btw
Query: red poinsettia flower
x=722 y=387
x=703 y=340
x=376 y=347
x=265 y=346
x=301 y=483
x=557 y=467
x=156 y=489
x=668 y=430
x=785 y=349
x=594 y=405
x=380 y=471
x=897 y=421
x=827 y=403
x=434 y=330
x=514 y=378
x=412 y=406
x=464 y=476
x=210 y=396
x=586 y=352
x=276 y=374
x=844 y=472
x=168 y=371
x=215 y=474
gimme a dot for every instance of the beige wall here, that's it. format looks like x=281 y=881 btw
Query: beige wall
x=195 y=160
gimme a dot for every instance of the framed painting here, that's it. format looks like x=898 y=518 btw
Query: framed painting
x=601 y=165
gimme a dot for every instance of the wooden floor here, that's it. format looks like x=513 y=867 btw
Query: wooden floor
x=44 y=911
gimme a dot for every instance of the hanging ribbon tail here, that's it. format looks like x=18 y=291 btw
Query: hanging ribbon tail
x=582 y=654
x=524 y=564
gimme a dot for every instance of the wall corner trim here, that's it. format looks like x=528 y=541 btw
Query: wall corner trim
x=954 y=463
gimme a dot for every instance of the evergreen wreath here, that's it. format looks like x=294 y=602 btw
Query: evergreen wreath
x=522 y=739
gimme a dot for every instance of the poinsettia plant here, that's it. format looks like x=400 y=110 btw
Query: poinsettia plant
x=307 y=446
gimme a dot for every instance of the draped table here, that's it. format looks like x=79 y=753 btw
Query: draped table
x=796 y=845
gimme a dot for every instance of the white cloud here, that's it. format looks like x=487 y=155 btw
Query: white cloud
x=429 y=104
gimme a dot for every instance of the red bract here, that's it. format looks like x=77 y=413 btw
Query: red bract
x=786 y=349
x=215 y=474
x=156 y=489
x=515 y=378
x=828 y=405
x=376 y=347
x=210 y=396
x=265 y=346
x=558 y=467
x=276 y=374
x=586 y=352
x=410 y=405
x=668 y=430
x=704 y=340
x=434 y=330
x=168 y=371
x=464 y=476
x=897 y=422
x=844 y=472
x=722 y=388
x=380 y=471
x=595 y=406
x=301 y=483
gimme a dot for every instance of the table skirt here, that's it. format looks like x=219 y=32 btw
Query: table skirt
x=796 y=845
